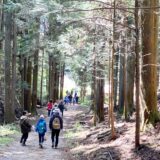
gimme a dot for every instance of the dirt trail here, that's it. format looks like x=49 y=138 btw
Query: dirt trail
x=32 y=151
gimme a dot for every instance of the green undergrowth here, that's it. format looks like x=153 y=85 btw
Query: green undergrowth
x=70 y=134
x=7 y=132
x=86 y=103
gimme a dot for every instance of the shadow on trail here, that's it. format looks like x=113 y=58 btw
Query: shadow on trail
x=101 y=153
x=148 y=153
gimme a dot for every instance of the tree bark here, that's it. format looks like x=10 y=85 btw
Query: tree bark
x=149 y=52
x=9 y=110
x=137 y=131
x=62 y=80
x=29 y=83
x=121 y=79
x=112 y=77
x=14 y=53
x=41 y=87
x=35 y=75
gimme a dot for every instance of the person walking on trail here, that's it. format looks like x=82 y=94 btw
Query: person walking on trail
x=41 y=128
x=49 y=107
x=55 y=124
x=61 y=107
x=25 y=127
x=54 y=110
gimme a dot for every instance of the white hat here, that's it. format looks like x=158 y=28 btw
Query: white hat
x=41 y=116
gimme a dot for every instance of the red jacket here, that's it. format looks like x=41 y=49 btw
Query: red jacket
x=49 y=106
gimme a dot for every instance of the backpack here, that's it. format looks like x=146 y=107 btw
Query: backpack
x=25 y=126
x=56 y=123
x=41 y=127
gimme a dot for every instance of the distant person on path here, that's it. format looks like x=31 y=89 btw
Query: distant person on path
x=41 y=128
x=66 y=99
x=55 y=124
x=49 y=107
x=70 y=98
x=25 y=127
x=61 y=107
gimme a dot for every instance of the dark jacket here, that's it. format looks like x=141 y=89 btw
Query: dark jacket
x=25 y=125
x=61 y=107
x=56 y=115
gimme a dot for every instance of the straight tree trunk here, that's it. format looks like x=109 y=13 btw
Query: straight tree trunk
x=50 y=89
x=29 y=82
x=100 y=95
x=112 y=77
x=62 y=80
x=137 y=132
x=149 y=52
x=24 y=73
x=53 y=80
x=35 y=75
x=57 y=75
x=1 y=48
x=125 y=111
x=14 y=53
x=9 y=110
x=116 y=77
x=41 y=90
x=130 y=79
x=121 y=79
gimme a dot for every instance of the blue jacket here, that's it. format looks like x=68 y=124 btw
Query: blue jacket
x=41 y=126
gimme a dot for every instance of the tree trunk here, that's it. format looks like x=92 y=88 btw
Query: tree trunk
x=53 y=80
x=41 y=87
x=130 y=80
x=116 y=77
x=14 y=53
x=57 y=75
x=29 y=83
x=50 y=89
x=137 y=132
x=100 y=95
x=35 y=75
x=1 y=49
x=62 y=80
x=112 y=77
x=9 y=110
x=24 y=82
x=121 y=79
x=149 y=52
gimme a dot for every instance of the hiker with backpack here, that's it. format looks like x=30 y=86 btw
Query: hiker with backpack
x=49 y=107
x=41 y=128
x=55 y=124
x=25 y=127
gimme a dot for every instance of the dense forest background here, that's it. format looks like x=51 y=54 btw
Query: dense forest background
x=112 y=42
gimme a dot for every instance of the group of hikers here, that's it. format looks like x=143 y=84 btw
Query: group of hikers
x=55 y=113
x=71 y=98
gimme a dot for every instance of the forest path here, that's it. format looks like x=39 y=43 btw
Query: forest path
x=31 y=151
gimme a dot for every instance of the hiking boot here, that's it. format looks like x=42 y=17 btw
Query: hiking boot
x=40 y=145
x=53 y=145
x=23 y=144
x=56 y=146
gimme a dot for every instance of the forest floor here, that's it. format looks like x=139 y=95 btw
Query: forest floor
x=94 y=143
x=80 y=140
